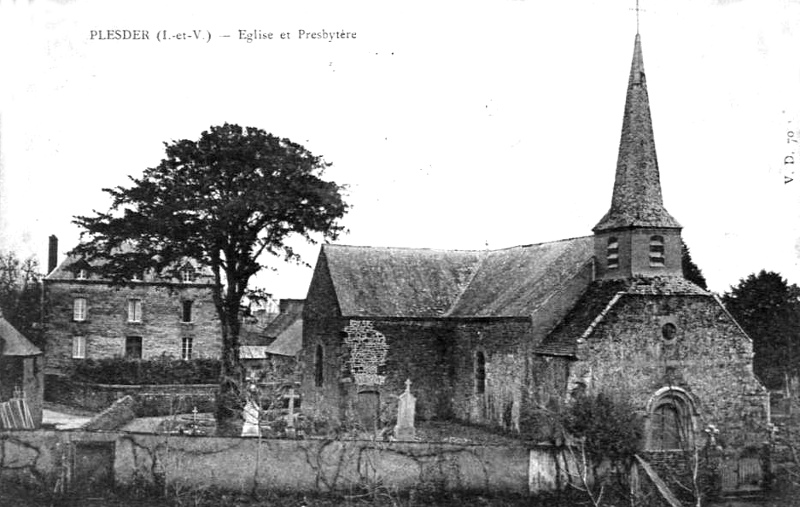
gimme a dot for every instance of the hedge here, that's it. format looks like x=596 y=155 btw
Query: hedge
x=163 y=370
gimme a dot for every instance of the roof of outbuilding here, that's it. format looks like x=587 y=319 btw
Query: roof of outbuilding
x=406 y=282
x=14 y=343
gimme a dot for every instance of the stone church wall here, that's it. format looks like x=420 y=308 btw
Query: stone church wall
x=500 y=400
x=709 y=358
x=106 y=324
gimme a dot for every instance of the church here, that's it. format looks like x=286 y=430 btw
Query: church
x=498 y=337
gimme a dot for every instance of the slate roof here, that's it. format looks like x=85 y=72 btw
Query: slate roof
x=67 y=270
x=598 y=299
x=13 y=343
x=636 y=200
x=406 y=282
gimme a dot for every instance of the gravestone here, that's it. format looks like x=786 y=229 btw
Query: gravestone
x=404 y=429
x=251 y=428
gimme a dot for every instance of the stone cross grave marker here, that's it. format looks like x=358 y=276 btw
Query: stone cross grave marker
x=404 y=429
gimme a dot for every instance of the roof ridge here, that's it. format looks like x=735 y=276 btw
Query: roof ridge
x=475 y=250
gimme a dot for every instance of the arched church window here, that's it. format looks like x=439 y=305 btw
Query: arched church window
x=480 y=373
x=657 y=251
x=612 y=253
x=319 y=357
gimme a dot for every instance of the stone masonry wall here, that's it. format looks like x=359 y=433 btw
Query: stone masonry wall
x=106 y=325
x=41 y=458
x=502 y=344
x=710 y=358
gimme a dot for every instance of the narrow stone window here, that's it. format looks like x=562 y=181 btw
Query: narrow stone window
x=79 y=309
x=612 y=253
x=186 y=348
x=480 y=372
x=133 y=347
x=319 y=356
x=134 y=310
x=186 y=315
x=657 y=251
x=78 y=347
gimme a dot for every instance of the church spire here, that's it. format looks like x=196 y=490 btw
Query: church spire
x=636 y=201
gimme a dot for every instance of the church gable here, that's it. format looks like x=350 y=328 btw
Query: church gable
x=642 y=344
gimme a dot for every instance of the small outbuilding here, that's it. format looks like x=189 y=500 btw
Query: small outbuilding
x=21 y=379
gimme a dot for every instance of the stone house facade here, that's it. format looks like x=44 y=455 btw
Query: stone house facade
x=85 y=317
x=497 y=338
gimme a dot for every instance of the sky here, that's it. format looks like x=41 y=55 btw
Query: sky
x=454 y=124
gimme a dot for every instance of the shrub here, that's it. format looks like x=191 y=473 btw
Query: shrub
x=610 y=428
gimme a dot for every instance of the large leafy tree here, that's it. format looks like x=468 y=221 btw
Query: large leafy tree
x=228 y=200
x=768 y=309
x=20 y=294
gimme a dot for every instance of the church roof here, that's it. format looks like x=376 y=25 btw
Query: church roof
x=13 y=343
x=636 y=199
x=598 y=299
x=423 y=283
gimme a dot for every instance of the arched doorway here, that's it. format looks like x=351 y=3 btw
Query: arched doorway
x=670 y=421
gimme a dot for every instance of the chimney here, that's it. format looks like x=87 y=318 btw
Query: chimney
x=52 y=254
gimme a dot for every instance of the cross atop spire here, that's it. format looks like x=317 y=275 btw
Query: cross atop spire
x=636 y=200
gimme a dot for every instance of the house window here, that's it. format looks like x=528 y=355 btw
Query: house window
x=134 y=310
x=79 y=309
x=612 y=253
x=83 y=274
x=657 y=251
x=136 y=277
x=186 y=348
x=79 y=347
x=319 y=356
x=186 y=315
x=133 y=347
x=480 y=373
x=187 y=274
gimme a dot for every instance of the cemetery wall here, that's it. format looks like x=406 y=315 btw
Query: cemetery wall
x=40 y=458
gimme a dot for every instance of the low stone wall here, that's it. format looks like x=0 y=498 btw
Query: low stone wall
x=151 y=400
x=43 y=458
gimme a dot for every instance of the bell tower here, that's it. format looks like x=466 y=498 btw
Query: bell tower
x=637 y=237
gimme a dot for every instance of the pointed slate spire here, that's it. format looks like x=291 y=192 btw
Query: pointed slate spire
x=636 y=201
